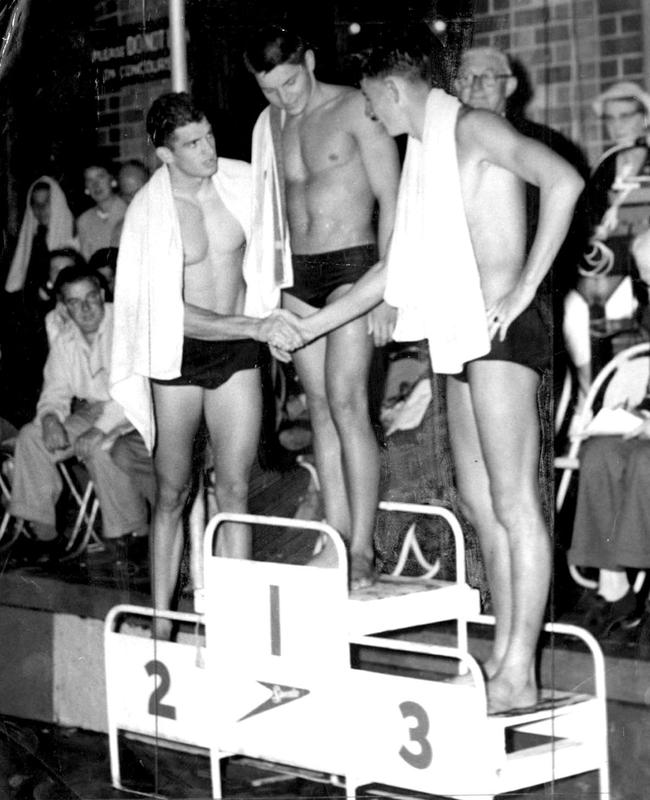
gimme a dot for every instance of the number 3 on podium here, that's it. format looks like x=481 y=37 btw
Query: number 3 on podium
x=417 y=733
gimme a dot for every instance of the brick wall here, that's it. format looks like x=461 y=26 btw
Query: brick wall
x=120 y=114
x=571 y=51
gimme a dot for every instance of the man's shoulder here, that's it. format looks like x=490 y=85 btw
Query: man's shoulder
x=234 y=168
x=345 y=99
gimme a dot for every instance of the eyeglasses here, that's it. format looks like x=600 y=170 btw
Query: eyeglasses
x=624 y=116
x=74 y=304
x=487 y=79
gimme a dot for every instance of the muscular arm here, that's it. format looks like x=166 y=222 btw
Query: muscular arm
x=366 y=293
x=277 y=329
x=381 y=162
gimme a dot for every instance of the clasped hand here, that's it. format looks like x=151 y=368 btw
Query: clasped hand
x=284 y=332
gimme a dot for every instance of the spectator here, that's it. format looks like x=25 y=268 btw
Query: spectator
x=95 y=226
x=104 y=262
x=131 y=177
x=47 y=225
x=56 y=315
x=605 y=292
x=76 y=372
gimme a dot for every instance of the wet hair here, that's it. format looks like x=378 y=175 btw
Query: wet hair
x=169 y=112
x=69 y=275
x=273 y=45
x=413 y=53
x=68 y=252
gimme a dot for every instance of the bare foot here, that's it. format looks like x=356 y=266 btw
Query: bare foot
x=506 y=696
x=362 y=571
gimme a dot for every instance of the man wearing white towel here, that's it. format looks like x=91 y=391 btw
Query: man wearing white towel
x=464 y=172
x=181 y=336
x=336 y=166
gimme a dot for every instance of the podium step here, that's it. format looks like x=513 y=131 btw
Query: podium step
x=398 y=602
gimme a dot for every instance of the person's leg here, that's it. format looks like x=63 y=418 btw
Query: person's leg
x=121 y=503
x=504 y=403
x=233 y=414
x=473 y=486
x=600 y=494
x=130 y=454
x=633 y=523
x=178 y=412
x=36 y=482
x=347 y=364
x=310 y=366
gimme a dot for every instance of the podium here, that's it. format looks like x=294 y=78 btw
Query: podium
x=310 y=679
x=287 y=689
x=154 y=689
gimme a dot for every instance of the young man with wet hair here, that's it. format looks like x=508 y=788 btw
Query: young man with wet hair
x=458 y=273
x=325 y=168
x=183 y=348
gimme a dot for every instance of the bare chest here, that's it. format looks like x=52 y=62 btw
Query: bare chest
x=315 y=146
x=208 y=229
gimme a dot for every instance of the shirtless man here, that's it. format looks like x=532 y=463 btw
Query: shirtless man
x=338 y=165
x=218 y=376
x=491 y=404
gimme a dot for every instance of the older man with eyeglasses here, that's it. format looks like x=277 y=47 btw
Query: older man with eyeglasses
x=76 y=416
x=485 y=79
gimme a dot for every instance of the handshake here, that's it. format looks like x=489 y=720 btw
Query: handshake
x=285 y=332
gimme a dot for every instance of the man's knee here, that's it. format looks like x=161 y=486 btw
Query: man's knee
x=27 y=435
x=231 y=490
x=349 y=403
x=170 y=497
x=319 y=408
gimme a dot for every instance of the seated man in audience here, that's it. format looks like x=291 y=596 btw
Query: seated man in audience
x=76 y=416
x=612 y=518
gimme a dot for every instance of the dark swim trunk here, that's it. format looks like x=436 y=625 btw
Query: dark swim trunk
x=316 y=276
x=211 y=364
x=528 y=342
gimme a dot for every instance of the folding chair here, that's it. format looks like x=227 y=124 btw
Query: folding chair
x=621 y=382
x=83 y=536
x=8 y=535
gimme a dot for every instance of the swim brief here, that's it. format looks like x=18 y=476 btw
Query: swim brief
x=528 y=342
x=316 y=276
x=210 y=364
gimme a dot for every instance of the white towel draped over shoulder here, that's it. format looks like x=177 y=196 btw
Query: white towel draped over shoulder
x=432 y=274
x=267 y=265
x=149 y=311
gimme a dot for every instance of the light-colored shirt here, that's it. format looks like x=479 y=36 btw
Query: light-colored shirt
x=76 y=368
x=95 y=227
